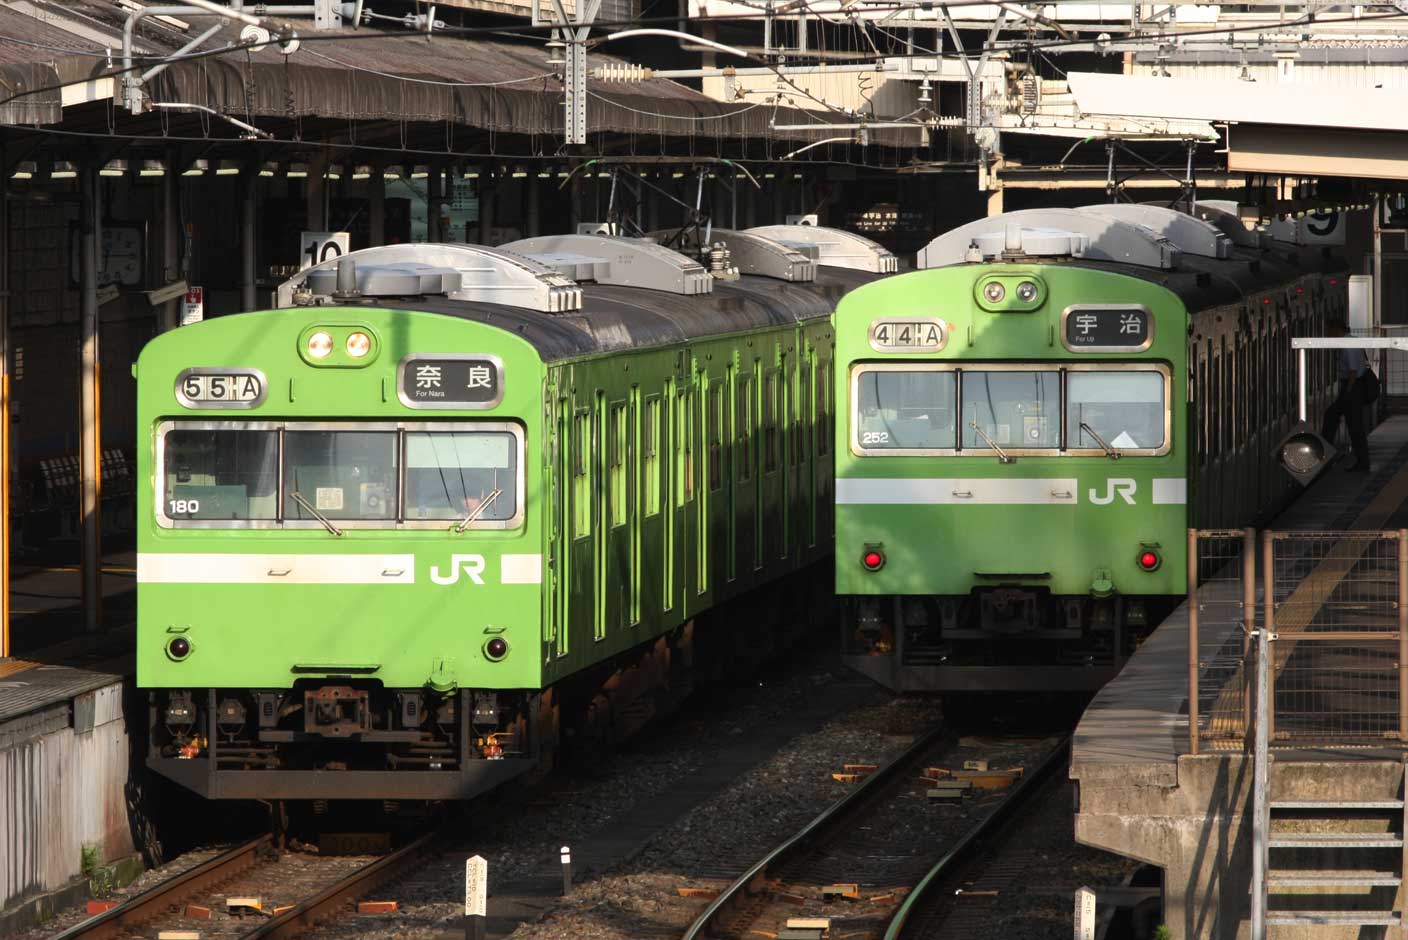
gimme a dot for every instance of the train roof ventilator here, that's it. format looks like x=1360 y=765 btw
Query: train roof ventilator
x=545 y=273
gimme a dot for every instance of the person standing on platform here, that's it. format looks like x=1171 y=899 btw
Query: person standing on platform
x=1351 y=366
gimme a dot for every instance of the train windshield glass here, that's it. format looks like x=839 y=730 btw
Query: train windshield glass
x=1016 y=409
x=340 y=475
x=215 y=475
x=904 y=410
x=1124 y=409
x=453 y=474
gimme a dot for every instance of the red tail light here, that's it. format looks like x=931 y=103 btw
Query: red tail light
x=1149 y=560
x=873 y=560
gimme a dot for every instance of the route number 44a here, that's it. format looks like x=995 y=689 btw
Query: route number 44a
x=317 y=247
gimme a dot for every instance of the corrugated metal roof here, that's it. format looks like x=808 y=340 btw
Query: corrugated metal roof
x=370 y=75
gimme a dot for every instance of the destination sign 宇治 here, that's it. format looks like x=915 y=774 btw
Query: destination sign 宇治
x=1107 y=329
x=221 y=388
x=907 y=335
x=451 y=381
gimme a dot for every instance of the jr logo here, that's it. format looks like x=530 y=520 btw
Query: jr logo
x=473 y=565
x=1115 y=486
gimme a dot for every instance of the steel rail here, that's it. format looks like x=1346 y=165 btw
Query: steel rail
x=802 y=839
x=323 y=906
x=159 y=899
x=1016 y=797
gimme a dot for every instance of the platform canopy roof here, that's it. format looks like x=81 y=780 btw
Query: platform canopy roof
x=365 y=76
x=1295 y=127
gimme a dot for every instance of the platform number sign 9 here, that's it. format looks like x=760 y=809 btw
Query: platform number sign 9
x=910 y=335
x=317 y=247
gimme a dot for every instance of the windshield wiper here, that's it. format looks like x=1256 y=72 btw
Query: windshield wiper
x=308 y=507
x=1110 y=452
x=478 y=511
x=1002 y=455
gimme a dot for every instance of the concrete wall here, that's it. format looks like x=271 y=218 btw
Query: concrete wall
x=1195 y=824
x=62 y=788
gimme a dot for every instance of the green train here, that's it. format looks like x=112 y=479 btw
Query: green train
x=446 y=504
x=1033 y=421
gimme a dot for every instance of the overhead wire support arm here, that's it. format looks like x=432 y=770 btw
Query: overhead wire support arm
x=131 y=82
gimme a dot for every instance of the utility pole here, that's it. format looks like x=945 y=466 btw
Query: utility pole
x=572 y=33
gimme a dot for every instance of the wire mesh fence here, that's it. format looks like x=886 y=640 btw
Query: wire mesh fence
x=1222 y=610
x=1334 y=604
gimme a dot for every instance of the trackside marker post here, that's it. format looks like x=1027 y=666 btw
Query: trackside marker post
x=1085 y=914
x=476 y=895
x=566 y=870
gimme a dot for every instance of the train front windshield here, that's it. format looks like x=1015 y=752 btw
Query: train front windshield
x=910 y=409
x=267 y=475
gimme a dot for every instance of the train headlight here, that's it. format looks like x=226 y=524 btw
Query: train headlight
x=994 y=292
x=320 y=345
x=358 y=344
x=1026 y=292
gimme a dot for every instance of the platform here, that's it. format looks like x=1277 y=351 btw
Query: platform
x=64 y=746
x=1143 y=795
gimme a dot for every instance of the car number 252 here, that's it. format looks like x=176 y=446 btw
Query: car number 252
x=874 y=437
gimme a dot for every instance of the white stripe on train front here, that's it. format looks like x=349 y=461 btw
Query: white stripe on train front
x=1047 y=491
x=957 y=492
x=226 y=568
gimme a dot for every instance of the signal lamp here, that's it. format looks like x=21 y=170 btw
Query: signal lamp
x=496 y=648
x=1149 y=560
x=873 y=560
x=1304 y=454
x=358 y=345
x=178 y=648
x=994 y=292
x=320 y=345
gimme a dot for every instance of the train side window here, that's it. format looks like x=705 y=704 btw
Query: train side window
x=650 y=445
x=715 y=420
x=770 y=392
x=581 y=476
x=617 y=458
x=743 y=428
x=822 y=376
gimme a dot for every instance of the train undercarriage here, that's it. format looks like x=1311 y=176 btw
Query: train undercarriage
x=351 y=738
x=998 y=638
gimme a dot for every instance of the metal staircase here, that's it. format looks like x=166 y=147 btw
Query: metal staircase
x=1317 y=862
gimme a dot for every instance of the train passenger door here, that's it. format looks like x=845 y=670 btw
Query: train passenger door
x=559 y=460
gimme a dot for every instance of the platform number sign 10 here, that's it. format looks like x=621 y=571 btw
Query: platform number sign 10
x=908 y=335
x=317 y=247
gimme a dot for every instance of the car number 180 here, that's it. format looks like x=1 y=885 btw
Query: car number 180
x=220 y=388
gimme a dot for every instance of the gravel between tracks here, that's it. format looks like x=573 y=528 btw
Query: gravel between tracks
x=148 y=879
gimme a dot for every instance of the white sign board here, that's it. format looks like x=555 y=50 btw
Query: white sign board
x=1085 y=914
x=193 y=306
x=476 y=886
x=317 y=247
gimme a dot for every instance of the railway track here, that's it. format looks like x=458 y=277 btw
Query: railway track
x=930 y=912
x=224 y=875
x=867 y=851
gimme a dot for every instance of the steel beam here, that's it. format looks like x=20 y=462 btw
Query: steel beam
x=248 y=179
x=90 y=443
x=4 y=424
